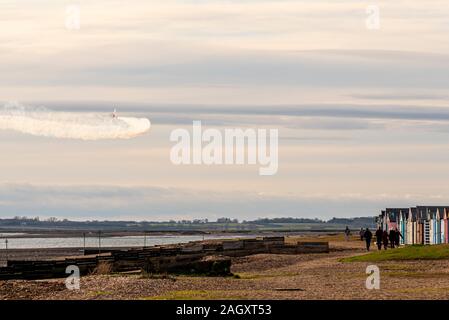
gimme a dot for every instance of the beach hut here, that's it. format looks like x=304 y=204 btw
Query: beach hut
x=446 y=227
x=421 y=229
x=388 y=221
x=427 y=228
x=383 y=219
x=434 y=226
x=409 y=238
x=441 y=225
x=394 y=217
x=431 y=226
x=437 y=228
x=403 y=226
x=411 y=226
x=419 y=232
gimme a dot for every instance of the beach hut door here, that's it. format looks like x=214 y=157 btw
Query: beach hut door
x=426 y=232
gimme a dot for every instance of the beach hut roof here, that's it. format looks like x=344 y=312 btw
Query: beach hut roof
x=412 y=214
x=431 y=212
x=393 y=213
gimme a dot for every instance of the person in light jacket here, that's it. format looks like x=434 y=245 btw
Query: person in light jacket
x=362 y=234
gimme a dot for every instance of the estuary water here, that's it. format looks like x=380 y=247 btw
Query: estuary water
x=94 y=241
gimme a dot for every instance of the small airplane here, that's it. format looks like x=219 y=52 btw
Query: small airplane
x=114 y=114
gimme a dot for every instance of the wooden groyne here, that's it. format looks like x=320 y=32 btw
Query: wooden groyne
x=178 y=258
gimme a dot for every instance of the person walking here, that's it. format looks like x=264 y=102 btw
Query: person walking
x=392 y=238
x=347 y=233
x=361 y=233
x=368 y=235
x=397 y=237
x=379 y=234
x=385 y=239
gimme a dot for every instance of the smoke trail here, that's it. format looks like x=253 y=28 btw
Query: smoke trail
x=68 y=125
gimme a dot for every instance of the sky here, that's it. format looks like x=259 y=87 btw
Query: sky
x=362 y=113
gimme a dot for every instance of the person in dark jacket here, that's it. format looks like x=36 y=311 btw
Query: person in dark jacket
x=392 y=238
x=385 y=239
x=379 y=234
x=397 y=237
x=368 y=235
x=362 y=234
x=347 y=233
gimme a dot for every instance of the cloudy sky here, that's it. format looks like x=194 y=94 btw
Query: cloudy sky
x=362 y=113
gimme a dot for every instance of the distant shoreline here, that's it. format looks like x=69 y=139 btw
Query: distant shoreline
x=24 y=226
x=44 y=233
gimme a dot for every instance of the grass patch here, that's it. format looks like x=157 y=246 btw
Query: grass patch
x=414 y=252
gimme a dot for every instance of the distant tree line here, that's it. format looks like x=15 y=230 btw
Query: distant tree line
x=353 y=221
x=286 y=220
x=23 y=220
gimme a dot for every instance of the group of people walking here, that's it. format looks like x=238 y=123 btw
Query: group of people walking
x=383 y=237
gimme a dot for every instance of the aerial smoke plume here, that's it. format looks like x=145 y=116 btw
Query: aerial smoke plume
x=70 y=125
